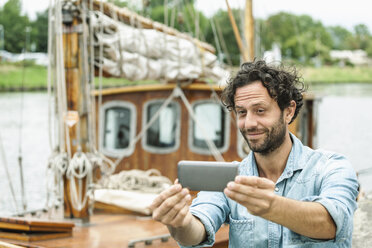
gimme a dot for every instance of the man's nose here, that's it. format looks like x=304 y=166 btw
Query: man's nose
x=250 y=121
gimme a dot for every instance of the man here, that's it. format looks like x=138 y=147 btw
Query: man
x=287 y=195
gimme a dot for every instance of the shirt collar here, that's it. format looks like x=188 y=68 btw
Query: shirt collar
x=294 y=163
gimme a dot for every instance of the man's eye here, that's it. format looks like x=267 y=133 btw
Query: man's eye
x=260 y=111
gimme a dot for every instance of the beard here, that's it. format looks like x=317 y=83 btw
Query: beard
x=273 y=138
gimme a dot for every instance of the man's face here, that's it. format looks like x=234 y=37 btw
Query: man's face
x=260 y=119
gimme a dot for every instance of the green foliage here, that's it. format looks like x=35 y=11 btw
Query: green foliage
x=300 y=37
x=222 y=23
x=39 y=33
x=14 y=25
x=118 y=3
x=339 y=36
x=184 y=18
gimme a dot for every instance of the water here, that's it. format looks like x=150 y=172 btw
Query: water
x=344 y=125
x=34 y=144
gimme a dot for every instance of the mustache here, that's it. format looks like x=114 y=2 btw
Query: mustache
x=252 y=130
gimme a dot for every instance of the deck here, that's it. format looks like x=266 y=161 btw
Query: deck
x=115 y=230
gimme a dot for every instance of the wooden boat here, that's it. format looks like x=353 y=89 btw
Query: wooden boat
x=137 y=127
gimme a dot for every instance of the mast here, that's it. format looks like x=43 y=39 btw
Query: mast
x=249 y=29
x=246 y=48
x=76 y=116
x=236 y=33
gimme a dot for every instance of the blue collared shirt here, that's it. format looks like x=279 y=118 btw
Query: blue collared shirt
x=309 y=175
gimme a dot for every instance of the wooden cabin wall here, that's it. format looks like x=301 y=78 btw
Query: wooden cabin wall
x=167 y=163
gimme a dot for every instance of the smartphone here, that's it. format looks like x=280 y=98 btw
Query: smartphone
x=206 y=175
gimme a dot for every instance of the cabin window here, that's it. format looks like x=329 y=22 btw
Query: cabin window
x=163 y=134
x=118 y=121
x=213 y=123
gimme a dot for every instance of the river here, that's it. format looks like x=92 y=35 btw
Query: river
x=343 y=124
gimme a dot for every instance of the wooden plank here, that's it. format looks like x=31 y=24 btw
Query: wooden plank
x=29 y=237
x=155 y=87
x=8 y=245
x=107 y=230
x=30 y=224
x=101 y=207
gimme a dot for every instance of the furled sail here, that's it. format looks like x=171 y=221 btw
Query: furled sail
x=137 y=53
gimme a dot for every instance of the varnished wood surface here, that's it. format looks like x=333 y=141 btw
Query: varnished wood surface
x=115 y=231
x=200 y=86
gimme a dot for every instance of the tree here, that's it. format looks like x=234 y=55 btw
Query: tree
x=119 y=3
x=300 y=37
x=339 y=36
x=184 y=18
x=39 y=34
x=223 y=24
x=362 y=36
x=14 y=25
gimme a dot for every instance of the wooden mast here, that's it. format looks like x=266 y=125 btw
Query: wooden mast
x=236 y=33
x=72 y=47
x=249 y=29
x=246 y=49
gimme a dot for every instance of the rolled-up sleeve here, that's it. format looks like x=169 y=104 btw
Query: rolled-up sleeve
x=338 y=192
x=211 y=208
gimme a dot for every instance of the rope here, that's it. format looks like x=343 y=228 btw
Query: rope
x=223 y=43
x=100 y=71
x=212 y=147
x=149 y=181
x=215 y=36
x=49 y=76
x=3 y=158
x=148 y=125
x=24 y=203
x=93 y=137
x=79 y=168
x=57 y=166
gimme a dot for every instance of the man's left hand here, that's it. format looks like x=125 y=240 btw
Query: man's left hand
x=255 y=193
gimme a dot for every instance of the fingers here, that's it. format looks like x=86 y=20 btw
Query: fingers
x=182 y=218
x=255 y=193
x=170 y=216
x=169 y=206
x=174 y=189
x=258 y=182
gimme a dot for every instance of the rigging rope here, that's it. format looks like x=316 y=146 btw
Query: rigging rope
x=147 y=126
x=79 y=168
x=212 y=147
x=219 y=51
x=150 y=181
x=24 y=203
x=100 y=71
x=223 y=43
x=4 y=162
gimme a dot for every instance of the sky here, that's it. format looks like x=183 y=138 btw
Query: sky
x=345 y=13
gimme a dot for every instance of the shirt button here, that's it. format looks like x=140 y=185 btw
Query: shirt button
x=276 y=189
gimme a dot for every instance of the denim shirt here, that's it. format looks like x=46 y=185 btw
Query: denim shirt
x=309 y=175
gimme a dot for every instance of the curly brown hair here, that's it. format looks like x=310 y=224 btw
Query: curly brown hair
x=283 y=84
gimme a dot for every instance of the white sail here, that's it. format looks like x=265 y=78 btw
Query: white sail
x=139 y=54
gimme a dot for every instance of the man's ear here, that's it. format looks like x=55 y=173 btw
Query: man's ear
x=289 y=111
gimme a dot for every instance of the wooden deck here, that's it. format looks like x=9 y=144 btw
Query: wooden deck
x=116 y=230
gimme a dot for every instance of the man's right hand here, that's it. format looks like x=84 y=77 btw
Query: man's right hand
x=171 y=207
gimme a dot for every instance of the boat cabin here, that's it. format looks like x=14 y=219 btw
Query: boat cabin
x=136 y=127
